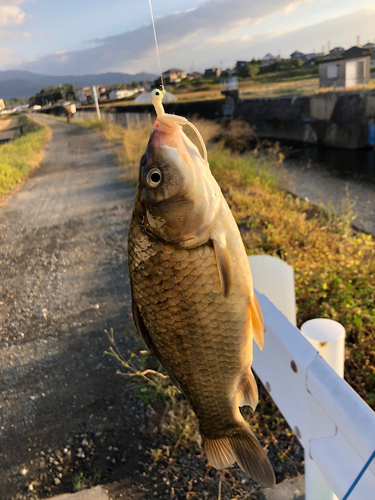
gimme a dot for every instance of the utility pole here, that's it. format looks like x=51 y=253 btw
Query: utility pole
x=95 y=95
x=358 y=40
x=329 y=45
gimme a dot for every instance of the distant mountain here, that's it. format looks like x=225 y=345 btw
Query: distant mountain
x=14 y=83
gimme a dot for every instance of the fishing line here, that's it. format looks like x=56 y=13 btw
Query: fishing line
x=156 y=44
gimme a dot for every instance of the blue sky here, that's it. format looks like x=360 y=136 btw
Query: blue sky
x=78 y=37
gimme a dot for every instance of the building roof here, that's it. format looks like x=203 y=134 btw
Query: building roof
x=352 y=53
x=173 y=70
x=296 y=54
x=269 y=56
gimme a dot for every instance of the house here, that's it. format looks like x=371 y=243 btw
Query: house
x=298 y=55
x=212 y=72
x=240 y=64
x=174 y=75
x=121 y=93
x=334 y=53
x=84 y=95
x=350 y=68
x=194 y=75
x=371 y=48
x=267 y=60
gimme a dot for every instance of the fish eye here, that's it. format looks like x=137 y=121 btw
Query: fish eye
x=153 y=177
x=157 y=93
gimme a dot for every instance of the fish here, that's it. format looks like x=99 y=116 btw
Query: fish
x=193 y=299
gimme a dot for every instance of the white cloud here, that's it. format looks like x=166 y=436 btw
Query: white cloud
x=13 y=35
x=206 y=35
x=5 y=55
x=130 y=51
x=11 y=14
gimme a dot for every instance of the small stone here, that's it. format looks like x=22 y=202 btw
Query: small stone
x=31 y=487
x=57 y=481
x=85 y=442
x=24 y=471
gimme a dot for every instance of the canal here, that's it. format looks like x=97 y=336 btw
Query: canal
x=335 y=178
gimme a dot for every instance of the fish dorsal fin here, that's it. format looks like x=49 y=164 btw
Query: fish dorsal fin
x=223 y=264
x=257 y=322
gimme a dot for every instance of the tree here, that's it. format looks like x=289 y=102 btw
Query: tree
x=15 y=101
x=249 y=70
x=54 y=93
x=134 y=84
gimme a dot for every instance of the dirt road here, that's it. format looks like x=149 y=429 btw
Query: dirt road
x=64 y=416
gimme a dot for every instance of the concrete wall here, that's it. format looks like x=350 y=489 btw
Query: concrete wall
x=322 y=106
x=339 y=121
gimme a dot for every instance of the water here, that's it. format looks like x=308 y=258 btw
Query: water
x=346 y=164
x=334 y=178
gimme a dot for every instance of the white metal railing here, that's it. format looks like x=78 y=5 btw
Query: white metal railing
x=334 y=425
x=126 y=120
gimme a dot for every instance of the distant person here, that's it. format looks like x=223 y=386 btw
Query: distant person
x=68 y=113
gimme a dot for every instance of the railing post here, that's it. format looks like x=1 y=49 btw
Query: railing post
x=328 y=338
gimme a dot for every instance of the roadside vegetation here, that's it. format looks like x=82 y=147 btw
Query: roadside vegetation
x=22 y=155
x=334 y=269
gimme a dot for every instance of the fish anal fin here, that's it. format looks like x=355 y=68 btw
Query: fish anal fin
x=241 y=446
x=219 y=452
x=251 y=457
x=248 y=395
x=224 y=266
x=257 y=322
x=142 y=330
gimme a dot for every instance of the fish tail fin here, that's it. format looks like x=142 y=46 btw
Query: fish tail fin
x=242 y=446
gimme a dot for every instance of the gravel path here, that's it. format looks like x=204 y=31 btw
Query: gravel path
x=334 y=193
x=63 y=280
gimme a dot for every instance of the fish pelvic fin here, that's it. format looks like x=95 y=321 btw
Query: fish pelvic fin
x=248 y=395
x=242 y=446
x=223 y=265
x=257 y=322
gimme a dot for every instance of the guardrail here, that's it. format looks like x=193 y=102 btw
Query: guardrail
x=333 y=424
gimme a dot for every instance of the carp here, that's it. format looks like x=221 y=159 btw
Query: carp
x=192 y=293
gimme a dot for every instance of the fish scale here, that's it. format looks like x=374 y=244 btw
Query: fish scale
x=193 y=324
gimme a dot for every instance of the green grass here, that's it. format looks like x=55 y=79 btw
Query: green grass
x=334 y=265
x=20 y=156
x=287 y=76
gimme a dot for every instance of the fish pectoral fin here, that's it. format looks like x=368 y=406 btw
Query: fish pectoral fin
x=248 y=395
x=223 y=265
x=145 y=336
x=219 y=452
x=141 y=329
x=257 y=322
